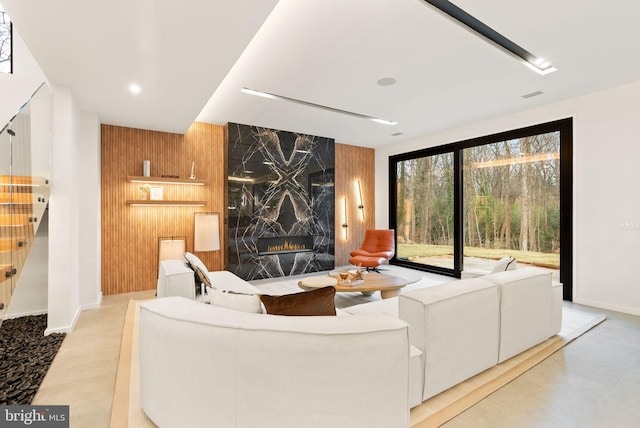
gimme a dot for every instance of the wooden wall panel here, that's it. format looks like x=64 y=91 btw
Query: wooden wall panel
x=353 y=163
x=130 y=234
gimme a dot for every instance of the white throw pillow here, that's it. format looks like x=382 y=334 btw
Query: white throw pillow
x=504 y=264
x=195 y=261
x=239 y=302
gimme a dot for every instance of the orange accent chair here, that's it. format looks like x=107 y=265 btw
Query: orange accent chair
x=377 y=248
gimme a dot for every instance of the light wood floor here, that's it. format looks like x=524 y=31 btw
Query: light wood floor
x=84 y=371
x=592 y=382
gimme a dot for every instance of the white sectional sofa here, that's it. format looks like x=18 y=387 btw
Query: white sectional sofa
x=237 y=369
x=208 y=366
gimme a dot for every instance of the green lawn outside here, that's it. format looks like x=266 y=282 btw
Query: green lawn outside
x=548 y=260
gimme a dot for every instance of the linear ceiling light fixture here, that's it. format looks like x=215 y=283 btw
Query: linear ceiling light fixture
x=308 y=104
x=536 y=64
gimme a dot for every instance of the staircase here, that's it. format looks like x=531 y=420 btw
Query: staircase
x=23 y=200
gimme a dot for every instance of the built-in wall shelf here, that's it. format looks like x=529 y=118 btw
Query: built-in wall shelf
x=138 y=203
x=165 y=180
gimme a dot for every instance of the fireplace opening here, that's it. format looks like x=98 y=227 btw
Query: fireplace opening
x=284 y=244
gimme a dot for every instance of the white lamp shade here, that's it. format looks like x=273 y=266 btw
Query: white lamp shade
x=171 y=249
x=206 y=236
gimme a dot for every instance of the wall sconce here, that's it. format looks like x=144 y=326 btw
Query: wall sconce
x=359 y=199
x=206 y=233
x=344 y=220
x=170 y=248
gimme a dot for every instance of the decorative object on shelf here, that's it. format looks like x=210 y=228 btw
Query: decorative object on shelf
x=193 y=175
x=144 y=192
x=359 y=196
x=155 y=193
x=206 y=233
x=345 y=226
x=171 y=247
x=146 y=168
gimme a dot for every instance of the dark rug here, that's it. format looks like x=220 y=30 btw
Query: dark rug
x=25 y=356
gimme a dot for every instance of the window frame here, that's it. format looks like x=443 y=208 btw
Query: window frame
x=563 y=126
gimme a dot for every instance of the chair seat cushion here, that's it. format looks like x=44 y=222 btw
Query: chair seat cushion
x=368 y=262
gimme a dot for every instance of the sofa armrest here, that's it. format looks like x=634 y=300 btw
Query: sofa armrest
x=176 y=279
x=556 y=308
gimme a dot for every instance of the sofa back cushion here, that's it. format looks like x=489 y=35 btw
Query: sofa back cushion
x=239 y=302
x=456 y=326
x=526 y=302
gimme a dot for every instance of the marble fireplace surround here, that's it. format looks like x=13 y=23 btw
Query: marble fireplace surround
x=281 y=202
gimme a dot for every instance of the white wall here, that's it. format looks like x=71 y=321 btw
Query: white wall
x=74 y=205
x=64 y=285
x=89 y=221
x=606 y=145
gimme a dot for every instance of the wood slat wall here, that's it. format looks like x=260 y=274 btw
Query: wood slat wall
x=130 y=234
x=353 y=163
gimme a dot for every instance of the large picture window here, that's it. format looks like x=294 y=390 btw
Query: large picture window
x=5 y=43
x=465 y=205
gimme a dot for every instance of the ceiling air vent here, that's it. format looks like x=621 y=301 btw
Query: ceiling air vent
x=395 y=134
x=532 y=94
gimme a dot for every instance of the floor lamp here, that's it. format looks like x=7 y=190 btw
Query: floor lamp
x=171 y=247
x=206 y=233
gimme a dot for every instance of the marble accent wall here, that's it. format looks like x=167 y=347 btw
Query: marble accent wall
x=281 y=202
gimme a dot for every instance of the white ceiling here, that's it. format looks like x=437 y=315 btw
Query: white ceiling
x=329 y=52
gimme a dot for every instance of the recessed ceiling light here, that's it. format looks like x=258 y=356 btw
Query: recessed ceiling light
x=386 y=81
x=309 y=104
x=536 y=64
x=134 y=88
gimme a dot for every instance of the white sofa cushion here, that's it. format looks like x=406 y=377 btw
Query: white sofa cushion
x=456 y=326
x=504 y=264
x=228 y=281
x=239 y=302
x=525 y=309
x=195 y=261
x=416 y=364
x=385 y=306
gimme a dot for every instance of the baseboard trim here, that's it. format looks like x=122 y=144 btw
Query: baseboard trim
x=600 y=305
x=95 y=305
x=64 y=329
x=25 y=314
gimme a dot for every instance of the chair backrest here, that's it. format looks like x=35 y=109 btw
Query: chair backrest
x=376 y=240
